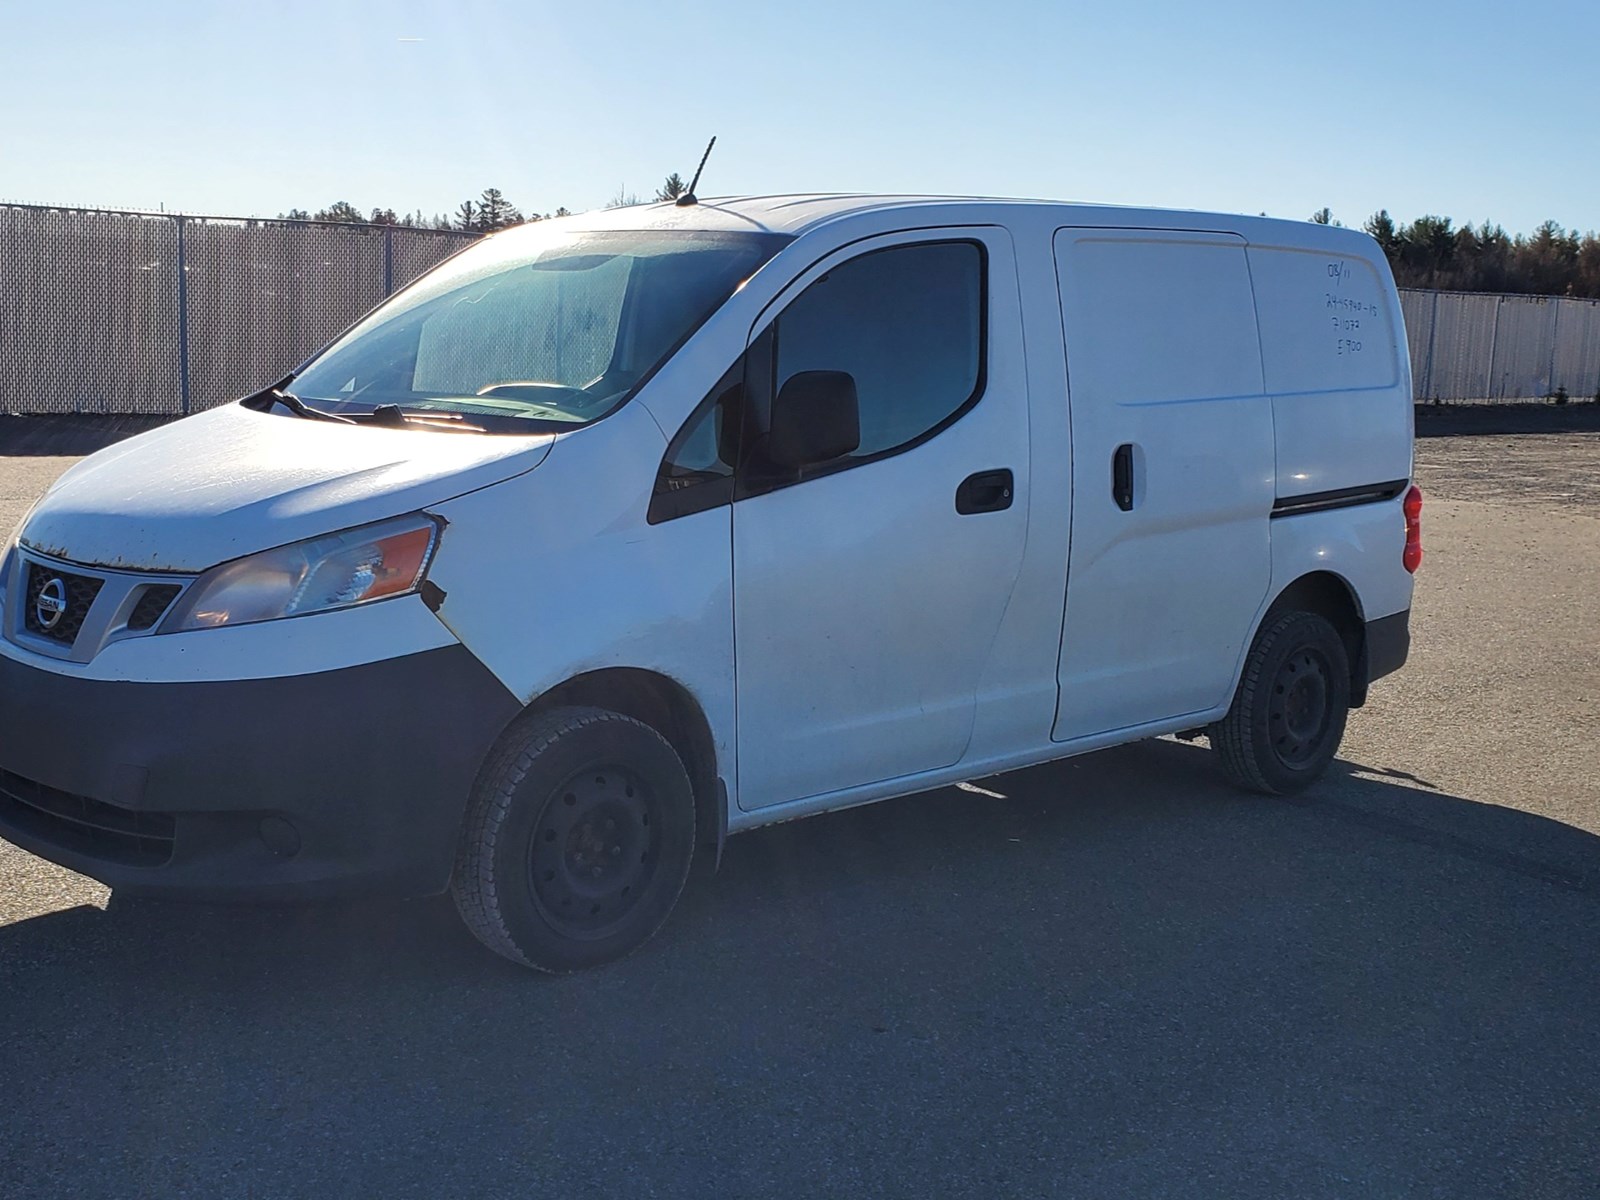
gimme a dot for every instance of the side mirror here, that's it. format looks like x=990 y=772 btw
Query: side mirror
x=815 y=419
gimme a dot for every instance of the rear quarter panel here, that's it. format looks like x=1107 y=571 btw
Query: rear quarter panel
x=1334 y=361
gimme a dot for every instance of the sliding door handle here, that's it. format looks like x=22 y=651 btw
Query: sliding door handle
x=1122 y=476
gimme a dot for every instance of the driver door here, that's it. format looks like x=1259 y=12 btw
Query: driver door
x=868 y=589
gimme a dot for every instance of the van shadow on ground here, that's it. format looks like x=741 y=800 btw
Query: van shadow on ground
x=1115 y=976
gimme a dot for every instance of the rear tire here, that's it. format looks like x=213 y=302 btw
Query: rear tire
x=577 y=842
x=1289 y=714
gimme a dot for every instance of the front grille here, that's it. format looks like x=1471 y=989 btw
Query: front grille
x=77 y=823
x=152 y=604
x=78 y=591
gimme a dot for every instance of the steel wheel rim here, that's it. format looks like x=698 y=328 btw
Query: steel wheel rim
x=1299 y=713
x=594 y=851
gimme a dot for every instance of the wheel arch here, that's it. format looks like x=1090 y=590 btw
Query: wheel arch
x=1331 y=597
x=669 y=708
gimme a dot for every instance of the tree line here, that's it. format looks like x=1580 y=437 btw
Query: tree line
x=1432 y=252
x=485 y=214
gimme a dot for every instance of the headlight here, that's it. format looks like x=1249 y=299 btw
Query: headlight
x=370 y=562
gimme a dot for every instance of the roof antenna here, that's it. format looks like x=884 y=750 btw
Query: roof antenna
x=688 y=198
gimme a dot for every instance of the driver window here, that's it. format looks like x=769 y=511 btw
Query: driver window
x=906 y=323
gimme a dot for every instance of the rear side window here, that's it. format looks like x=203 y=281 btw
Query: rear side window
x=907 y=324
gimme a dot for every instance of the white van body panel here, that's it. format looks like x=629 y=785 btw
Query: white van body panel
x=1017 y=693
x=1163 y=360
x=548 y=580
x=872 y=579
x=232 y=481
x=1334 y=357
x=1359 y=545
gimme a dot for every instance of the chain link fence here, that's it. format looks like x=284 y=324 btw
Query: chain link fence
x=122 y=312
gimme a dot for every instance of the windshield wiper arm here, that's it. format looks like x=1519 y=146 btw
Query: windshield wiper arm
x=396 y=417
x=301 y=409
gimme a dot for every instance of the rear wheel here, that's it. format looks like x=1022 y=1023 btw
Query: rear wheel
x=577 y=842
x=1289 y=713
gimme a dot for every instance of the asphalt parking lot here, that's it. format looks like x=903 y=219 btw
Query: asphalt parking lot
x=1108 y=977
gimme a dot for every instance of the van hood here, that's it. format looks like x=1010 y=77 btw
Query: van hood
x=233 y=481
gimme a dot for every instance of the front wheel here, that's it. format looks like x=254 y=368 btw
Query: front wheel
x=1289 y=713
x=577 y=842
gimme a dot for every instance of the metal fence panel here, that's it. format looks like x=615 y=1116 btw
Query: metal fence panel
x=88 y=312
x=413 y=251
x=1524 y=348
x=1474 y=347
x=263 y=297
x=1463 y=345
x=124 y=312
x=1577 y=344
x=1418 y=310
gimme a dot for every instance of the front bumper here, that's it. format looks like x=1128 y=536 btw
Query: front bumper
x=352 y=780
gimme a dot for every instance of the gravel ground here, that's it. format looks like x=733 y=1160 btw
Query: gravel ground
x=1559 y=473
x=1111 y=976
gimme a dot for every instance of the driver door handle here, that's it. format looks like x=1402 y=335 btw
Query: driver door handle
x=987 y=491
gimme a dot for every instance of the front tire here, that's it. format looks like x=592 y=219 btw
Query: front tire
x=1289 y=714
x=577 y=842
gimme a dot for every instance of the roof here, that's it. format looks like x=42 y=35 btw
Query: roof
x=796 y=214
x=792 y=214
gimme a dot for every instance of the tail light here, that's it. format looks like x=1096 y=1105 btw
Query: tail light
x=1412 y=557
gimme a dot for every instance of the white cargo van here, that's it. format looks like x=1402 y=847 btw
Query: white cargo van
x=617 y=534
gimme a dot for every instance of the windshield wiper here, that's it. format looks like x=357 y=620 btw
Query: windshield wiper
x=396 y=417
x=301 y=409
x=390 y=415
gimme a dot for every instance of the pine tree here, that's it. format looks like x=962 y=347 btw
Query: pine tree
x=495 y=211
x=1381 y=226
x=342 y=210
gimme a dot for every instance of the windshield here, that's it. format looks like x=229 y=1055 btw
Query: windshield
x=537 y=329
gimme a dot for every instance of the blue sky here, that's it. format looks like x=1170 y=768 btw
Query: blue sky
x=1468 y=108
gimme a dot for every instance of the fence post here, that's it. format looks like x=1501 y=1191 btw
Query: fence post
x=388 y=260
x=1427 y=364
x=183 y=321
x=1555 y=341
x=1494 y=348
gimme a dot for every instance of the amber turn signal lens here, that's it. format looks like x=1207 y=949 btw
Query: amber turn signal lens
x=403 y=558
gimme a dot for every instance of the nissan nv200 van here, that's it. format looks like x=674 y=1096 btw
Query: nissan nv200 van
x=617 y=534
